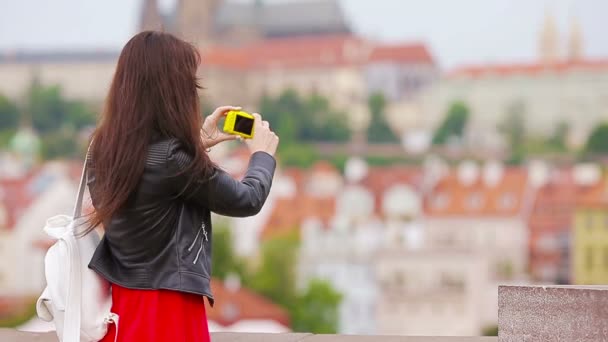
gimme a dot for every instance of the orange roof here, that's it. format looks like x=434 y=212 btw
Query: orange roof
x=289 y=213
x=406 y=53
x=304 y=52
x=380 y=179
x=324 y=166
x=15 y=197
x=242 y=304
x=554 y=202
x=594 y=196
x=14 y=305
x=528 y=68
x=450 y=197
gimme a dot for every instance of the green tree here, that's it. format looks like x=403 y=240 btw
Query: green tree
x=61 y=144
x=9 y=114
x=300 y=119
x=559 y=139
x=225 y=261
x=317 y=309
x=275 y=277
x=78 y=115
x=50 y=112
x=46 y=107
x=297 y=155
x=491 y=330
x=453 y=125
x=379 y=130
x=597 y=143
x=314 y=310
x=513 y=128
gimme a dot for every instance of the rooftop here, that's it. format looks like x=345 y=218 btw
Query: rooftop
x=505 y=70
x=313 y=17
x=314 y=51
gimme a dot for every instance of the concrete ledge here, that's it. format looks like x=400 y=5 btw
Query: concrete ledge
x=552 y=313
x=17 y=336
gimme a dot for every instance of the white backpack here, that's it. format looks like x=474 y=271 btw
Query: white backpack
x=76 y=299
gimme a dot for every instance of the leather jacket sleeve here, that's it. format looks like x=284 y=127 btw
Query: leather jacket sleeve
x=221 y=193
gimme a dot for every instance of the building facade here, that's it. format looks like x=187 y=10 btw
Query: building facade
x=548 y=92
x=590 y=235
x=482 y=208
x=431 y=292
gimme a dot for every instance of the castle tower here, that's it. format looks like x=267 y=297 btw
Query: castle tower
x=548 y=42
x=195 y=20
x=150 y=16
x=575 y=41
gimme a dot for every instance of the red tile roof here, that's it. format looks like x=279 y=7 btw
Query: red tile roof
x=15 y=198
x=528 y=68
x=381 y=179
x=243 y=304
x=15 y=305
x=289 y=213
x=313 y=52
x=404 y=53
x=450 y=197
x=550 y=219
x=594 y=196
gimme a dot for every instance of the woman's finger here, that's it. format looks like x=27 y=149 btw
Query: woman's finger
x=266 y=124
x=227 y=137
x=221 y=111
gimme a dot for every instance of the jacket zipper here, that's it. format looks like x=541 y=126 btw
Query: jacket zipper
x=202 y=247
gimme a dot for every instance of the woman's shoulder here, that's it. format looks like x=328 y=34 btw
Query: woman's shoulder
x=169 y=151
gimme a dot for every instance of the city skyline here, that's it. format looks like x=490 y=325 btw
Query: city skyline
x=470 y=32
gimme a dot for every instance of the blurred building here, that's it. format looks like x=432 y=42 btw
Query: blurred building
x=482 y=208
x=250 y=50
x=206 y=22
x=343 y=68
x=431 y=291
x=241 y=310
x=27 y=203
x=375 y=208
x=590 y=231
x=551 y=221
x=81 y=75
x=556 y=89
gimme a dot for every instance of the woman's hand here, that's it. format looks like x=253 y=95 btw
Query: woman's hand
x=210 y=133
x=264 y=139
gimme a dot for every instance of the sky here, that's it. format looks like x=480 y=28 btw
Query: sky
x=458 y=32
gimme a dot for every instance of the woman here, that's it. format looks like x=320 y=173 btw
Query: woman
x=153 y=187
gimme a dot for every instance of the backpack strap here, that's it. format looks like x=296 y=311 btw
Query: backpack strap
x=71 y=324
x=72 y=318
x=81 y=187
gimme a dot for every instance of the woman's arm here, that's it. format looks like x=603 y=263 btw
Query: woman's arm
x=221 y=193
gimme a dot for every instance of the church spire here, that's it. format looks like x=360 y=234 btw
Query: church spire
x=195 y=20
x=575 y=42
x=150 y=16
x=548 y=43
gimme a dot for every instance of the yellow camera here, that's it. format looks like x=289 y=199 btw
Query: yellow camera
x=239 y=123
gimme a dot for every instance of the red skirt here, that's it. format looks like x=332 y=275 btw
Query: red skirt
x=158 y=315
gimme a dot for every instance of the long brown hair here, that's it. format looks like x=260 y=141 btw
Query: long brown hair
x=153 y=93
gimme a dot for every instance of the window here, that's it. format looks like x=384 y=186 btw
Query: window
x=507 y=201
x=589 y=258
x=606 y=258
x=589 y=220
x=440 y=201
x=399 y=280
x=474 y=201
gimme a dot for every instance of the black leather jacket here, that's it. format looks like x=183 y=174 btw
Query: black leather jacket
x=162 y=238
